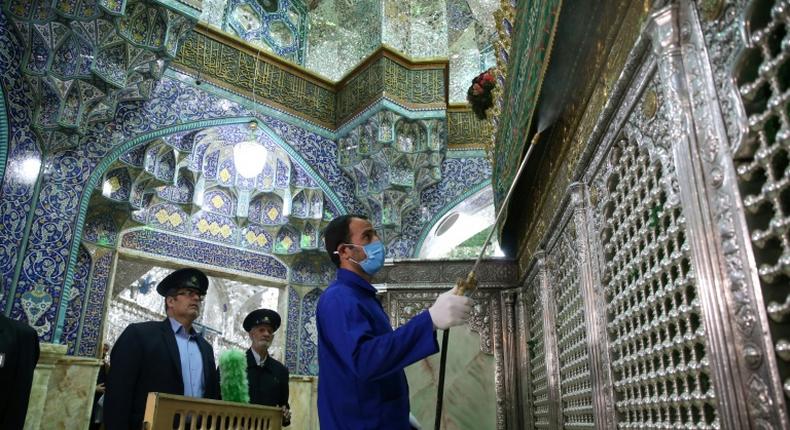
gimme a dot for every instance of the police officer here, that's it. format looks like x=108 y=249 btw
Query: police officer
x=19 y=352
x=267 y=377
x=166 y=356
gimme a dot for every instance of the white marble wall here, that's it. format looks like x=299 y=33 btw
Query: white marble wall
x=304 y=402
x=469 y=398
x=62 y=394
x=469 y=388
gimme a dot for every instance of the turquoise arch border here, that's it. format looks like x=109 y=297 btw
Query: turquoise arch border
x=456 y=201
x=4 y=138
x=119 y=150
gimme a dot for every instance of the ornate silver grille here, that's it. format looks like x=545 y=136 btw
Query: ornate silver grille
x=657 y=340
x=537 y=354
x=575 y=385
x=763 y=78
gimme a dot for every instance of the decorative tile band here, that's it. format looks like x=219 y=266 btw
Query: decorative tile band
x=384 y=103
x=465 y=130
x=465 y=153
x=292 y=330
x=3 y=133
x=232 y=64
x=191 y=77
x=146 y=241
x=220 y=59
x=416 y=88
x=90 y=331
x=190 y=8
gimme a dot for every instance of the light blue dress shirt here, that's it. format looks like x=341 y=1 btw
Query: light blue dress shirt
x=191 y=360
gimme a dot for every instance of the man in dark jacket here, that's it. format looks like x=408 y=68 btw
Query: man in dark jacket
x=101 y=380
x=18 y=357
x=268 y=378
x=161 y=356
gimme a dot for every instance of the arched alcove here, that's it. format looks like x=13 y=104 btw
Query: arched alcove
x=180 y=200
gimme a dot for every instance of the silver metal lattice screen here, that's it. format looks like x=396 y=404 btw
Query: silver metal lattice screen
x=647 y=311
x=656 y=337
x=575 y=384
x=763 y=78
x=537 y=354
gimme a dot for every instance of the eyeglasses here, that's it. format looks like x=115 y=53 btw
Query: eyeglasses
x=190 y=294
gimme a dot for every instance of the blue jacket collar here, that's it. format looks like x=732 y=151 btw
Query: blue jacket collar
x=350 y=278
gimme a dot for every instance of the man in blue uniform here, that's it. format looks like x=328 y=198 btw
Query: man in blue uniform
x=361 y=382
x=166 y=356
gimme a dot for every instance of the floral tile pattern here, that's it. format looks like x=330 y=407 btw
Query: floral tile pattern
x=49 y=279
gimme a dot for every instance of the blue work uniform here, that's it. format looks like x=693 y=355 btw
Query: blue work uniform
x=361 y=382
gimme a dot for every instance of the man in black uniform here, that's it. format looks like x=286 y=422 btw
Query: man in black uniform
x=18 y=357
x=268 y=378
x=101 y=379
x=166 y=356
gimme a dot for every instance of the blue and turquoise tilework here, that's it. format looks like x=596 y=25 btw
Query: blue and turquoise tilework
x=320 y=153
x=214 y=227
x=76 y=299
x=181 y=193
x=292 y=336
x=219 y=201
x=257 y=238
x=459 y=175
x=118 y=185
x=168 y=216
x=287 y=241
x=100 y=229
x=205 y=253
x=16 y=195
x=308 y=347
x=89 y=335
x=39 y=257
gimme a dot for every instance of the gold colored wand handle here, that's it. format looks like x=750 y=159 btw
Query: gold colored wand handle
x=469 y=284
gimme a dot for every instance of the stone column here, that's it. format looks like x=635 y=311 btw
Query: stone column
x=62 y=393
x=50 y=354
x=304 y=402
x=70 y=394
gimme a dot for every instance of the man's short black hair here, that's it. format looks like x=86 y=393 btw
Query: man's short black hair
x=336 y=232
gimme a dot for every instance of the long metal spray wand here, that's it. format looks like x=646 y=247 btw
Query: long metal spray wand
x=468 y=285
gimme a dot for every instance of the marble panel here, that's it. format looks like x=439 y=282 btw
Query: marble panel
x=470 y=390
x=303 y=398
x=49 y=355
x=70 y=394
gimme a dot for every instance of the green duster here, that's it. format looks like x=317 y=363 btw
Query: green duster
x=233 y=376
